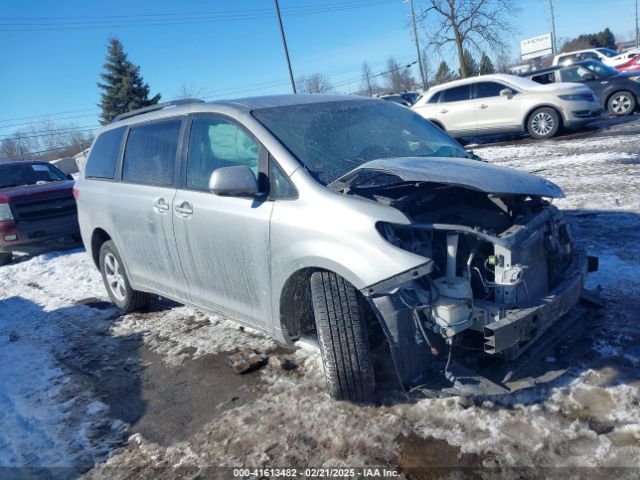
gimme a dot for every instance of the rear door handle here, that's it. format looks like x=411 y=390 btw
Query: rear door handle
x=484 y=105
x=160 y=205
x=444 y=110
x=184 y=209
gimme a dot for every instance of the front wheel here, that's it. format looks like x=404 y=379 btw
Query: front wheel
x=543 y=123
x=5 y=258
x=340 y=322
x=115 y=280
x=621 y=103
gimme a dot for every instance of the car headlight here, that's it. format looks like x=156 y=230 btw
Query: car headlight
x=578 y=97
x=5 y=212
x=635 y=78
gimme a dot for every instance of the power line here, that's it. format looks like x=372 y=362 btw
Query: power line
x=225 y=17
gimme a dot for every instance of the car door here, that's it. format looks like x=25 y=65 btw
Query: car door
x=456 y=111
x=140 y=207
x=223 y=241
x=496 y=113
x=581 y=74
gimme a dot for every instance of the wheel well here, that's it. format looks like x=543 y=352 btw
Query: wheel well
x=98 y=237
x=606 y=102
x=296 y=307
x=535 y=109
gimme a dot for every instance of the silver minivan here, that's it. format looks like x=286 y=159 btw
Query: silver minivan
x=350 y=220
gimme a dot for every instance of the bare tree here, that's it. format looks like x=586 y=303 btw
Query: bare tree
x=188 y=90
x=366 y=79
x=470 y=24
x=315 y=83
x=399 y=77
x=45 y=140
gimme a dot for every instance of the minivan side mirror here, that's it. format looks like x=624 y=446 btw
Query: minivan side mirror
x=506 y=92
x=235 y=181
x=587 y=77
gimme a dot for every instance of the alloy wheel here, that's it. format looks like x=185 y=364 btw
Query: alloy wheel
x=621 y=104
x=115 y=277
x=542 y=123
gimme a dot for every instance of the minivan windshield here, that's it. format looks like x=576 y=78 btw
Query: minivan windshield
x=332 y=138
x=15 y=175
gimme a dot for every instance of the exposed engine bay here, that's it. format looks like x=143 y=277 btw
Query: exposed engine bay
x=502 y=268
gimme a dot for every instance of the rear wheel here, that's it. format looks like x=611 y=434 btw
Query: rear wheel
x=543 y=123
x=621 y=103
x=340 y=323
x=115 y=281
x=5 y=258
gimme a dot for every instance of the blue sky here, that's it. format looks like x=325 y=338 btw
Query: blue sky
x=53 y=54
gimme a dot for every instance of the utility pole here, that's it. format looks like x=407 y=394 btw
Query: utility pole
x=553 y=28
x=417 y=42
x=637 y=31
x=286 y=50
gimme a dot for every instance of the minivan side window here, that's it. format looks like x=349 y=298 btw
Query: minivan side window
x=104 y=154
x=217 y=142
x=456 y=94
x=488 y=89
x=280 y=187
x=150 y=154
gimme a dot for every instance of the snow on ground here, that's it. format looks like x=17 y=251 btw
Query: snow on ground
x=56 y=352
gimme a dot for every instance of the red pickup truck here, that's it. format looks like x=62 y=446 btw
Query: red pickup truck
x=37 y=208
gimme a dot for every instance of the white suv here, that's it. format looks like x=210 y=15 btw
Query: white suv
x=604 y=55
x=493 y=104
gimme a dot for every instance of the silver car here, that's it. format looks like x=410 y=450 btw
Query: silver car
x=350 y=220
x=495 y=104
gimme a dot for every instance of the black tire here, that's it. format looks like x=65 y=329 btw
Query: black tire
x=5 y=258
x=121 y=294
x=340 y=323
x=621 y=104
x=543 y=123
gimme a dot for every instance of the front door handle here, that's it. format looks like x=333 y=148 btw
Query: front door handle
x=184 y=209
x=444 y=110
x=484 y=105
x=160 y=205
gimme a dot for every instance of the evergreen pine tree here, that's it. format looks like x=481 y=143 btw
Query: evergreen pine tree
x=124 y=88
x=443 y=74
x=486 y=65
x=471 y=66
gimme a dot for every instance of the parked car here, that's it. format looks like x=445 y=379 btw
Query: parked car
x=37 y=208
x=633 y=65
x=395 y=98
x=348 y=219
x=492 y=104
x=618 y=91
x=604 y=55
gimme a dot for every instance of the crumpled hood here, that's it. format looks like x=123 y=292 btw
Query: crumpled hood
x=463 y=172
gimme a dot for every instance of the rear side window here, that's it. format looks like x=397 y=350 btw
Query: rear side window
x=150 y=154
x=435 y=98
x=545 y=78
x=104 y=154
x=457 y=94
x=488 y=89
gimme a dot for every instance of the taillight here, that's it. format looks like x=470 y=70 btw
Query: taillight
x=76 y=192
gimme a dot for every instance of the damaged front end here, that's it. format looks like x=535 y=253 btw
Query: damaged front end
x=501 y=270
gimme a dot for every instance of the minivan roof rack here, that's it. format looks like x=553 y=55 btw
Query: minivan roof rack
x=157 y=106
